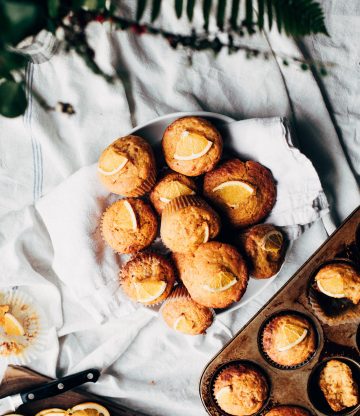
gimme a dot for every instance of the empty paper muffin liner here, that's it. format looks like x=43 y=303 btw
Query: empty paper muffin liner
x=22 y=349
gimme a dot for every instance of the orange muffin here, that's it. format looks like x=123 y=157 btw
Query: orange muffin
x=191 y=146
x=187 y=222
x=240 y=390
x=129 y=225
x=244 y=191
x=183 y=314
x=127 y=167
x=287 y=411
x=289 y=340
x=215 y=274
x=147 y=278
x=169 y=187
x=264 y=247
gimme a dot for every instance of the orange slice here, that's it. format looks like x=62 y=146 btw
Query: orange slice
x=233 y=193
x=90 y=409
x=182 y=324
x=125 y=217
x=175 y=189
x=273 y=241
x=206 y=233
x=191 y=146
x=331 y=284
x=111 y=162
x=220 y=282
x=292 y=336
x=12 y=326
x=149 y=290
x=52 y=412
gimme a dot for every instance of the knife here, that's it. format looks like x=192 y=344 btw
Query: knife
x=11 y=403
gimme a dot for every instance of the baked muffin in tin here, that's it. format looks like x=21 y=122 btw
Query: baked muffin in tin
x=287 y=411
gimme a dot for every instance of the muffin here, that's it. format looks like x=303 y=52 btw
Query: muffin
x=192 y=146
x=147 y=278
x=240 y=390
x=129 y=225
x=264 y=247
x=287 y=411
x=183 y=314
x=244 y=191
x=215 y=274
x=338 y=385
x=289 y=340
x=127 y=167
x=187 y=222
x=169 y=187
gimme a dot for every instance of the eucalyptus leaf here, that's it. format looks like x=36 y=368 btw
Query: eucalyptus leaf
x=53 y=8
x=12 y=99
x=10 y=61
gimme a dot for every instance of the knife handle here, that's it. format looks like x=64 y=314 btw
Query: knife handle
x=60 y=386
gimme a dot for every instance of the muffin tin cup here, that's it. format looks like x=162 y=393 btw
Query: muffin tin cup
x=315 y=394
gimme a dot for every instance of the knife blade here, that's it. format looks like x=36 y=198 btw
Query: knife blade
x=11 y=403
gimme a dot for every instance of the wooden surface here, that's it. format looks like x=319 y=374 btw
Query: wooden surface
x=19 y=378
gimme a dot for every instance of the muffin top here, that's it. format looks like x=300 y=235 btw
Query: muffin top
x=183 y=314
x=147 y=278
x=169 y=187
x=215 y=274
x=127 y=167
x=287 y=411
x=240 y=390
x=129 y=225
x=338 y=385
x=264 y=247
x=187 y=222
x=192 y=146
x=289 y=340
x=339 y=280
x=244 y=191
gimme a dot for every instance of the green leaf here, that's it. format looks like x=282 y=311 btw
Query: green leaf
x=93 y=4
x=155 y=9
x=12 y=99
x=269 y=12
x=141 y=5
x=249 y=14
x=261 y=12
x=220 y=16
x=178 y=8
x=10 y=61
x=53 y=8
x=206 y=12
x=234 y=13
x=190 y=9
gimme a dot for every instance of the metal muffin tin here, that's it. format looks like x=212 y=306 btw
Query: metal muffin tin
x=297 y=386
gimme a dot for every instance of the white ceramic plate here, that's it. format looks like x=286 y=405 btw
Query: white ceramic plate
x=153 y=132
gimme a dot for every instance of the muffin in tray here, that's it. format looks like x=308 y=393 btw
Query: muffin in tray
x=127 y=167
x=129 y=225
x=244 y=191
x=287 y=411
x=169 y=187
x=264 y=246
x=338 y=385
x=288 y=340
x=183 y=314
x=240 y=390
x=215 y=274
x=147 y=278
x=187 y=222
x=192 y=146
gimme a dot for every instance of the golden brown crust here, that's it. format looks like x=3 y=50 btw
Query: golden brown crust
x=129 y=241
x=197 y=268
x=258 y=205
x=187 y=222
x=273 y=333
x=248 y=390
x=338 y=386
x=263 y=263
x=350 y=277
x=180 y=304
x=197 y=166
x=138 y=176
x=160 y=188
x=287 y=411
x=147 y=266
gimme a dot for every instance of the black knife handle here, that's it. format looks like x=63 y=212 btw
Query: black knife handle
x=60 y=386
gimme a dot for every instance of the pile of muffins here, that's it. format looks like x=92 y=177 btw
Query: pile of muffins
x=209 y=215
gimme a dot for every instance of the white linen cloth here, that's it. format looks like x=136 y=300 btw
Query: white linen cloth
x=38 y=152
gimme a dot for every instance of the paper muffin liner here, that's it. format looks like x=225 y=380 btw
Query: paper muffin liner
x=274 y=363
x=145 y=187
x=184 y=201
x=33 y=320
